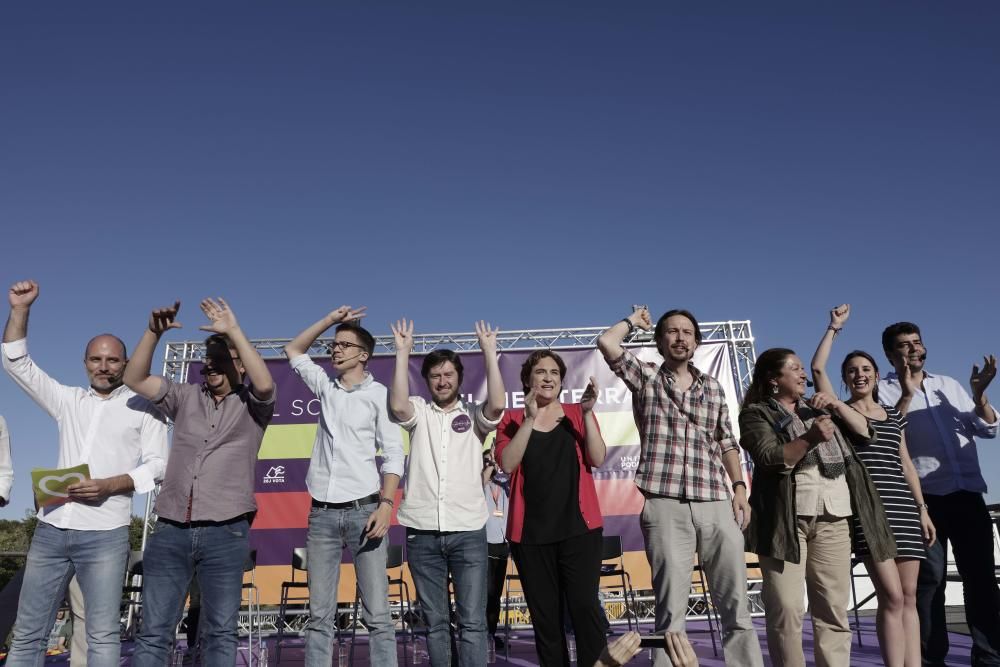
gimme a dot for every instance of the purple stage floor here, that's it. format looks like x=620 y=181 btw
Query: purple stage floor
x=522 y=653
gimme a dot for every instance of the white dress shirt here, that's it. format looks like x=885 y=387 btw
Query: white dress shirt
x=121 y=434
x=6 y=466
x=444 y=480
x=353 y=424
x=941 y=433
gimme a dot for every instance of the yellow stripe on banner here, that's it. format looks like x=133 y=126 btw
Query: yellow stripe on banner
x=618 y=428
x=295 y=441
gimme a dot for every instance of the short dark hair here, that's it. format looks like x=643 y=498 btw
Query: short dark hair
x=438 y=357
x=364 y=337
x=120 y=342
x=529 y=365
x=662 y=323
x=893 y=330
x=767 y=367
x=865 y=355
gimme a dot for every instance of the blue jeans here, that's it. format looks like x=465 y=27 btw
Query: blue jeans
x=216 y=553
x=330 y=530
x=98 y=557
x=432 y=555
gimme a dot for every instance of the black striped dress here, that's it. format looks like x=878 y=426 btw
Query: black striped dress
x=886 y=469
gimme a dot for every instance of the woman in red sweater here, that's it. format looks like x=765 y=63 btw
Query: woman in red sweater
x=554 y=522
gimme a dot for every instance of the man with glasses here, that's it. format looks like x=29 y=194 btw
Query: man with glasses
x=943 y=422
x=206 y=503
x=349 y=506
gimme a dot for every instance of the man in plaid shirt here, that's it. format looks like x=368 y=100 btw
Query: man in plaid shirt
x=688 y=458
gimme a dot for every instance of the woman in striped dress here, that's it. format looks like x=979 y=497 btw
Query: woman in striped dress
x=896 y=480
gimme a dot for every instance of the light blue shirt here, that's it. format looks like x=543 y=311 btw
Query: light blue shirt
x=353 y=426
x=941 y=433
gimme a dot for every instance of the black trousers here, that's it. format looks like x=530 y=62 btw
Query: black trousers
x=962 y=519
x=495 y=576
x=551 y=573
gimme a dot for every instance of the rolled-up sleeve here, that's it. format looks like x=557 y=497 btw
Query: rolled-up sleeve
x=390 y=440
x=153 y=445
x=629 y=369
x=310 y=372
x=484 y=425
x=724 y=428
x=418 y=405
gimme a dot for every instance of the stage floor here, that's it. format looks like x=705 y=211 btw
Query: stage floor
x=522 y=653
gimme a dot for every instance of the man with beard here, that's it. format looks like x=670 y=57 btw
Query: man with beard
x=206 y=504
x=348 y=507
x=943 y=422
x=443 y=508
x=123 y=440
x=687 y=451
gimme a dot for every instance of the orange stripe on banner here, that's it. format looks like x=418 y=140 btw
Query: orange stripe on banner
x=618 y=496
x=291 y=510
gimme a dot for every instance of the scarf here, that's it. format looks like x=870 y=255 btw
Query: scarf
x=828 y=456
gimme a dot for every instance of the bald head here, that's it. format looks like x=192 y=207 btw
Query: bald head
x=105 y=359
x=106 y=339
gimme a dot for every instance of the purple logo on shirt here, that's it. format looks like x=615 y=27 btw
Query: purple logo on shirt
x=461 y=424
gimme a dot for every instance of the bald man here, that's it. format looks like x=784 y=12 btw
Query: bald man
x=123 y=440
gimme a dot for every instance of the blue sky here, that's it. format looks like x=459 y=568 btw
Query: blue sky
x=536 y=164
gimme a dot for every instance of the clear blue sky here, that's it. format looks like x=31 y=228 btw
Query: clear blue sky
x=537 y=164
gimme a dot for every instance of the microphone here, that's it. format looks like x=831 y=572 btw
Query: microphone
x=809 y=384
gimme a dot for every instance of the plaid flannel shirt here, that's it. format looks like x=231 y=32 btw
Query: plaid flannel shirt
x=683 y=435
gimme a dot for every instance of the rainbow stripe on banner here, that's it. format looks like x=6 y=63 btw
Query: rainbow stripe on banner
x=283 y=460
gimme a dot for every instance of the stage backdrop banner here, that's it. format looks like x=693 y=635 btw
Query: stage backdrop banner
x=283 y=501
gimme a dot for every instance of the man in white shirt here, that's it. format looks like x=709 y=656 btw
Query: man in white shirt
x=348 y=507
x=443 y=508
x=943 y=423
x=6 y=466
x=123 y=440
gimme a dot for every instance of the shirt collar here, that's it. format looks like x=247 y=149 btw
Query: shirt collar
x=459 y=405
x=894 y=376
x=235 y=390
x=365 y=381
x=107 y=397
x=671 y=376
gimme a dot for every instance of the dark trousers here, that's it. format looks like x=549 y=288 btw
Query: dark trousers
x=567 y=570
x=495 y=576
x=962 y=519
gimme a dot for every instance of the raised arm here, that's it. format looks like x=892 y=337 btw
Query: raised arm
x=496 y=394
x=610 y=342
x=399 y=390
x=857 y=422
x=137 y=376
x=597 y=449
x=21 y=295
x=979 y=381
x=6 y=466
x=838 y=317
x=222 y=320
x=301 y=343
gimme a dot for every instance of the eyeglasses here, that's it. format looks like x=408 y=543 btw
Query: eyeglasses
x=344 y=345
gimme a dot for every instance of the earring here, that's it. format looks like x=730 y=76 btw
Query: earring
x=774 y=389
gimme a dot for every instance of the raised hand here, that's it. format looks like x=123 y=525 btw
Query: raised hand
x=821 y=430
x=640 y=318
x=221 y=319
x=981 y=379
x=346 y=314
x=823 y=401
x=487 y=336
x=909 y=381
x=589 y=398
x=402 y=335
x=839 y=315
x=22 y=294
x=530 y=405
x=162 y=319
